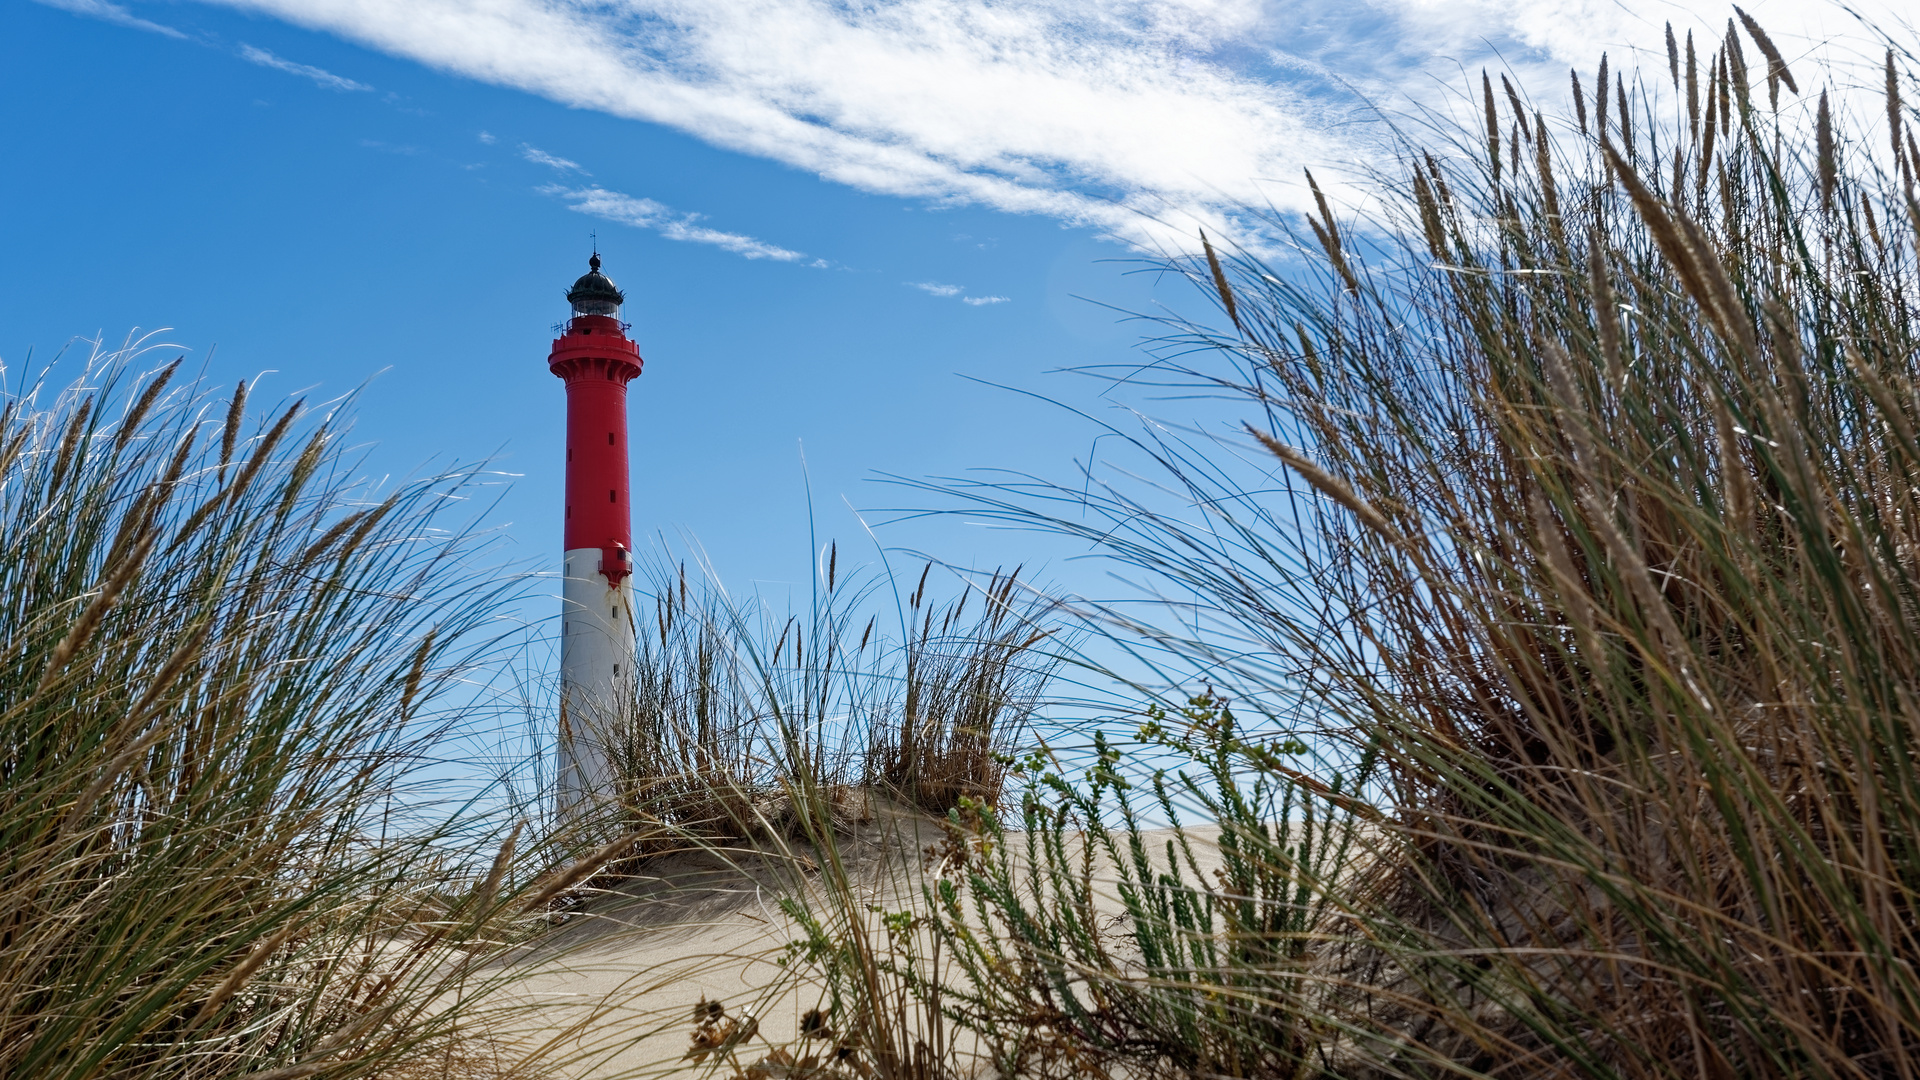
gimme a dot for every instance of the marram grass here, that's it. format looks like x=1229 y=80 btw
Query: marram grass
x=1594 y=528
x=739 y=716
x=221 y=657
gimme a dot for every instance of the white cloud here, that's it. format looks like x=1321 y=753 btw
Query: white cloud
x=940 y=289
x=113 y=13
x=668 y=222
x=320 y=76
x=486 y=137
x=1146 y=118
x=541 y=157
x=1093 y=113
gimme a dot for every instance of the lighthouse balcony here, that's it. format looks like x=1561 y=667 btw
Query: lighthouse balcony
x=595 y=344
x=593 y=325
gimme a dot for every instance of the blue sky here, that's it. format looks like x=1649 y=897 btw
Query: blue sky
x=335 y=237
x=837 y=224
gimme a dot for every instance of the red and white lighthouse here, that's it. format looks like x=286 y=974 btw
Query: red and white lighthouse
x=597 y=361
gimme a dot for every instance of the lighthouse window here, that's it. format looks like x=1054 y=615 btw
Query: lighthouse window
x=609 y=438
x=569 y=453
x=612 y=495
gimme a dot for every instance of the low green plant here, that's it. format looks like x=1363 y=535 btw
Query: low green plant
x=1084 y=950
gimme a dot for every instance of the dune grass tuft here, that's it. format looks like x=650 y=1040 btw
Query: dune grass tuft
x=1592 y=525
x=743 y=724
x=222 y=659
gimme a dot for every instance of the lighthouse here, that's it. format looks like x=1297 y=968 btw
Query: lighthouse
x=596 y=361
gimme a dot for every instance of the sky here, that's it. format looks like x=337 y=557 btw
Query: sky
x=859 y=239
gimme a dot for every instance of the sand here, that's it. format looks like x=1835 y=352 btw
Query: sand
x=613 y=990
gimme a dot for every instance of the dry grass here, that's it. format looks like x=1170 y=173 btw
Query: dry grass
x=757 y=737
x=746 y=726
x=1598 y=526
x=222 y=660
x=967 y=690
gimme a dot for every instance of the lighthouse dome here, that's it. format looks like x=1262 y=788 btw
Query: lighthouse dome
x=595 y=293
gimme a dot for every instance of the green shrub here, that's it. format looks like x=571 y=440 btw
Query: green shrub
x=1082 y=948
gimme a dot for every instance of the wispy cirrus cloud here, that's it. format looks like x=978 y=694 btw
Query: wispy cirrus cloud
x=941 y=289
x=541 y=157
x=112 y=13
x=642 y=213
x=1110 y=114
x=320 y=77
x=1145 y=118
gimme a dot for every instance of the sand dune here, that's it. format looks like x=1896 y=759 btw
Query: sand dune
x=628 y=968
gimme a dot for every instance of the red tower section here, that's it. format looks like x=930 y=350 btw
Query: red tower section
x=597 y=361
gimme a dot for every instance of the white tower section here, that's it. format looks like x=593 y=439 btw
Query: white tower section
x=596 y=677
